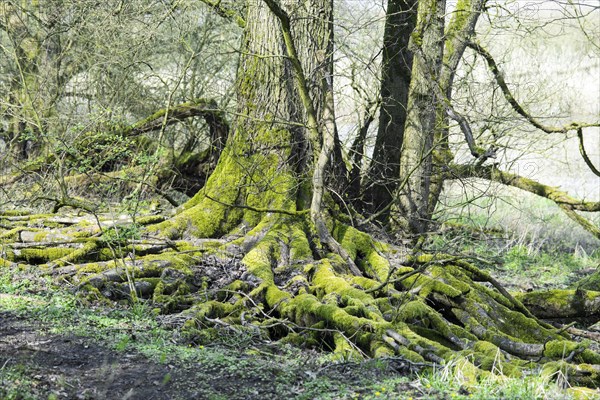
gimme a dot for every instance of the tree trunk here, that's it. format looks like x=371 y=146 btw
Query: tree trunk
x=396 y=64
x=267 y=162
x=427 y=43
x=458 y=35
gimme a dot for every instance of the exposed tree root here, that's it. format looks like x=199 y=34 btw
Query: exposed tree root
x=278 y=280
x=562 y=303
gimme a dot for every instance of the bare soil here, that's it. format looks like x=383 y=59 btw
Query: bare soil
x=75 y=368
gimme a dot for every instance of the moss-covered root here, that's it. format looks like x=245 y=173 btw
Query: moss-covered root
x=573 y=374
x=562 y=303
x=430 y=314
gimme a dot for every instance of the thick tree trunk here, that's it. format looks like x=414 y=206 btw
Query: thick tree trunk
x=396 y=65
x=267 y=161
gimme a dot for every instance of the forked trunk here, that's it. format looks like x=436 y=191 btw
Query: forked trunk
x=396 y=65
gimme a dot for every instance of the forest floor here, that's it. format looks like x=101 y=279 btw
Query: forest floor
x=36 y=364
x=55 y=345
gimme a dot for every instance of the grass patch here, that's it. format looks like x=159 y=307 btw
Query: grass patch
x=529 y=243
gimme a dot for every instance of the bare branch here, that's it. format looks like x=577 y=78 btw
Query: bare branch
x=567 y=203
x=499 y=76
x=584 y=153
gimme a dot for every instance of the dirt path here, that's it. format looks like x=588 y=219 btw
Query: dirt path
x=75 y=368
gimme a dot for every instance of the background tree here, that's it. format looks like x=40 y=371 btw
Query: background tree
x=134 y=100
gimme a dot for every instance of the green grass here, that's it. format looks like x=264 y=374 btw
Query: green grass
x=517 y=265
x=453 y=380
x=15 y=384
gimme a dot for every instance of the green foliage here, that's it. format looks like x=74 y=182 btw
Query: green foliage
x=100 y=151
x=15 y=384
x=119 y=236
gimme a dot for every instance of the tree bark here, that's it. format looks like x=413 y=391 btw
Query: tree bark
x=427 y=42
x=396 y=65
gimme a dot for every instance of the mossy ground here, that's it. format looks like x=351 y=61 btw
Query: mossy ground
x=271 y=278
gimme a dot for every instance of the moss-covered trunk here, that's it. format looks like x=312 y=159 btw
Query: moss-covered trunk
x=427 y=42
x=458 y=33
x=266 y=163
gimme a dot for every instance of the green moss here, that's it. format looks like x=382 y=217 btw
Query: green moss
x=379 y=349
x=14 y=213
x=156 y=263
x=305 y=306
x=294 y=339
x=459 y=19
x=364 y=283
x=250 y=174
x=211 y=309
x=38 y=256
x=344 y=350
x=488 y=349
x=92 y=294
x=11 y=235
x=447 y=274
x=426 y=285
x=274 y=295
x=94 y=268
x=361 y=245
x=202 y=336
x=149 y=219
x=511 y=324
x=40 y=236
x=299 y=245
x=561 y=348
x=410 y=355
x=237 y=286
x=466 y=371
x=77 y=255
x=325 y=281
x=259 y=260
x=587 y=374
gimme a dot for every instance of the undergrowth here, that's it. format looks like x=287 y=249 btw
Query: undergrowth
x=522 y=262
